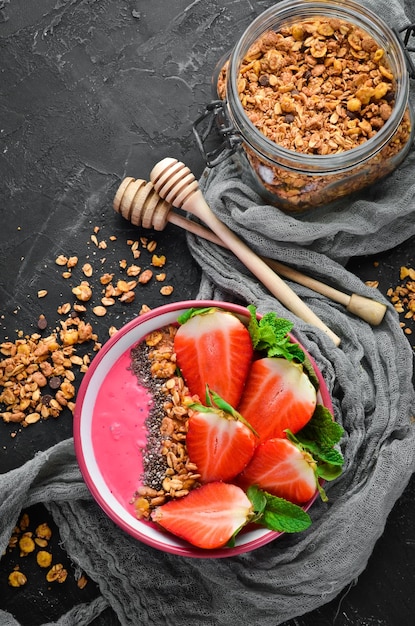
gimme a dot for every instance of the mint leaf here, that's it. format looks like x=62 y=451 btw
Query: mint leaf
x=321 y=430
x=270 y=335
x=284 y=516
x=328 y=471
x=318 y=437
x=258 y=499
x=277 y=513
x=184 y=317
x=310 y=371
x=320 y=454
x=330 y=456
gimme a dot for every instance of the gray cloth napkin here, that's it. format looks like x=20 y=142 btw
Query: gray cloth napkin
x=377 y=219
x=369 y=377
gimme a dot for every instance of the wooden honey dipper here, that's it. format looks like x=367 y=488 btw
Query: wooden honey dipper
x=138 y=202
x=175 y=183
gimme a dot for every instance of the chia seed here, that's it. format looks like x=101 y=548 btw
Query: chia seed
x=154 y=463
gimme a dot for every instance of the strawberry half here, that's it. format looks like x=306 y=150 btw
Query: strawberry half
x=278 y=395
x=208 y=516
x=282 y=469
x=218 y=440
x=214 y=348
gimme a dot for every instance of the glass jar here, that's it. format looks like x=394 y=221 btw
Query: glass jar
x=341 y=120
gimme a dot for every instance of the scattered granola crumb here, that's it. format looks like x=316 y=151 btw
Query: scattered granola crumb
x=72 y=262
x=133 y=270
x=57 y=573
x=158 y=261
x=42 y=322
x=33 y=543
x=17 y=578
x=64 y=309
x=145 y=277
x=107 y=301
x=30 y=363
x=30 y=366
x=44 y=558
x=26 y=544
x=99 y=311
x=61 y=260
x=83 y=291
x=82 y=581
x=87 y=269
x=407 y=272
x=403 y=297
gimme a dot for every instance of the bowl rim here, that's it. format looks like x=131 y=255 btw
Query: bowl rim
x=89 y=468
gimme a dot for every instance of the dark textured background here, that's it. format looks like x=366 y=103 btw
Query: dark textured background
x=92 y=91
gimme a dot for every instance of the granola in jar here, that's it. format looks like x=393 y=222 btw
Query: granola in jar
x=325 y=103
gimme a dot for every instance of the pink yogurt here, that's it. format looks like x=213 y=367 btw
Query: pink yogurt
x=118 y=430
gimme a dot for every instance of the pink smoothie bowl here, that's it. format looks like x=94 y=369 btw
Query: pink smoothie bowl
x=110 y=433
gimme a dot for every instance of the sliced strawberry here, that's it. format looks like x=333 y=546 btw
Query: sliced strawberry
x=218 y=442
x=208 y=516
x=277 y=395
x=214 y=348
x=282 y=469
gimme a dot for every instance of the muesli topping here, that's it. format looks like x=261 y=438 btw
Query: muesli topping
x=167 y=471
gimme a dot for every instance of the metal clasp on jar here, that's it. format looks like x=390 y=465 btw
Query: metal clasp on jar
x=408 y=30
x=214 y=126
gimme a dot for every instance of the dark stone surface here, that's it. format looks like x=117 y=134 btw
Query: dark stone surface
x=92 y=91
